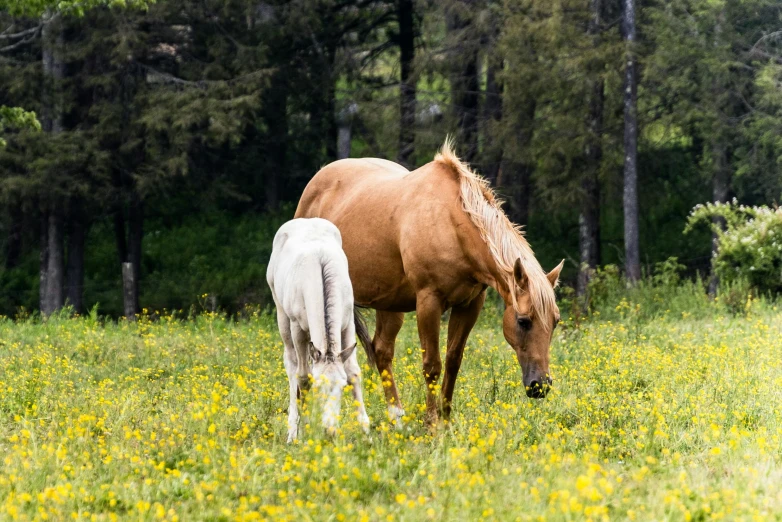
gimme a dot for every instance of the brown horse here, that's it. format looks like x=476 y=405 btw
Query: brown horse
x=431 y=240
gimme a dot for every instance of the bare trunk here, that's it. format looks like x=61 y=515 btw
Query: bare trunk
x=129 y=291
x=589 y=230
x=522 y=200
x=492 y=114
x=464 y=88
x=407 y=101
x=331 y=104
x=589 y=217
x=721 y=174
x=514 y=179
x=43 y=262
x=15 y=227
x=51 y=270
x=631 y=232
x=720 y=187
x=129 y=242
x=119 y=233
x=515 y=176
x=343 y=141
x=54 y=297
x=321 y=107
x=74 y=273
x=345 y=128
x=277 y=142
x=135 y=237
x=52 y=42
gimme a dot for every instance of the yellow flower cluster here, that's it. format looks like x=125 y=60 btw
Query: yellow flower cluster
x=675 y=419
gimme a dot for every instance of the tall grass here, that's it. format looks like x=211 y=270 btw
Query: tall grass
x=654 y=416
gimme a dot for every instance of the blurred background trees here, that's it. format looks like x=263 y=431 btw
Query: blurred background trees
x=178 y=135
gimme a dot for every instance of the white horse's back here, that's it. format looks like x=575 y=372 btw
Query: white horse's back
x=308 y=264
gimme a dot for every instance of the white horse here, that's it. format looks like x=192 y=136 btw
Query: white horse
x=308 y=276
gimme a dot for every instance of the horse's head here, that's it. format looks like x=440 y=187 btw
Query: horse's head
x=328 y=372
x=529 y=331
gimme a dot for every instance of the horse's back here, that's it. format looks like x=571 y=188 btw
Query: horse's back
x=389 y=218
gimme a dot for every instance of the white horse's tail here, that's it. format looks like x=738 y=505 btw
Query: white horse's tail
x=323 y=303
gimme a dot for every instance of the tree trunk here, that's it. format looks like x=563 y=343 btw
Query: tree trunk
x=129 y=291
x=492 y=114
x=277 y=141
x=135 y=237
x=589 y=218
x=464 y=87
x=129 y=242
x=720 y=188
x=323 y=125
x=345 y=127
x=407 y=86
x=343 y=140
x=119 y=233
x=51 y=277
x=74 y=273
x=54 y=297
x=15 y=228
x=515 y=176
x=43 y=263
x=514 y=179
x=631 y=232
x=720 y=179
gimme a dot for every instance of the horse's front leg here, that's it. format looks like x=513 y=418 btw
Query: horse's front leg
x=460 y=325
x=429 y=309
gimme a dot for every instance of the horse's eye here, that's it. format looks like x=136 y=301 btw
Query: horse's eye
x=525 y=323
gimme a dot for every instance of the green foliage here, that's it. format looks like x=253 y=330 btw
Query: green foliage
x=663 y=293
x=209 y=262
x=32 y=8
x=16 y=118
x=750 y=245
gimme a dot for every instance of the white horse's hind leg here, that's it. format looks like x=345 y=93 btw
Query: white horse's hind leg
x=353 y=372
x=291 y=363
x=301 y=342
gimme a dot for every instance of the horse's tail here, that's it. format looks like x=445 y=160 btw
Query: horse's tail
x=363 y=335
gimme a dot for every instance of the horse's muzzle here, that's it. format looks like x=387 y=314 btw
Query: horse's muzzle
x=538 y=389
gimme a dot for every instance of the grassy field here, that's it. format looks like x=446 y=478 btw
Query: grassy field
x=668 y=419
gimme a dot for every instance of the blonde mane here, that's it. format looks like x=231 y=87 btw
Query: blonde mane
x=504 y=239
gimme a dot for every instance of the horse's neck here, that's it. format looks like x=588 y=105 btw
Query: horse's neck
x=490 y=274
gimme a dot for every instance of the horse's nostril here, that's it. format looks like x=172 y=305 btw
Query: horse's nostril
x=536 y=390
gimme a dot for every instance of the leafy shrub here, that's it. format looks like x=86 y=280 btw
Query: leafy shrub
x=662 y=293
x=749 y=247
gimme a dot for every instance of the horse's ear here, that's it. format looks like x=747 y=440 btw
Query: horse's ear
x=553 y=276
x=518 y=273
x=345 y=354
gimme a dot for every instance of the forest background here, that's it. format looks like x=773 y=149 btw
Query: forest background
x=177 y=136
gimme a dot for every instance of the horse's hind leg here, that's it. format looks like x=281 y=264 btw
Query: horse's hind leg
x=387 y=327
x=459 y=327
x=353 y=372
x=291 y=361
